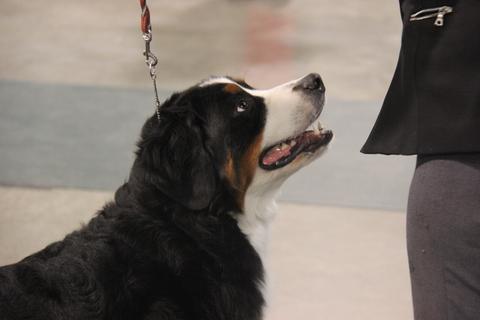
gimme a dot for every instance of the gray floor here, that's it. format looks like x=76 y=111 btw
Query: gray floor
x=353 y=44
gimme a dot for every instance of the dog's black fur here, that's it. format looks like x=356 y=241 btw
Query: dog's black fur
x=168 y=246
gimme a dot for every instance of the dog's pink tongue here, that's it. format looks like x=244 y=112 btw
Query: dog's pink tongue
x=275 y=154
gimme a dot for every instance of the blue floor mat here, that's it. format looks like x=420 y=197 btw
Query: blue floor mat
x=84 y=137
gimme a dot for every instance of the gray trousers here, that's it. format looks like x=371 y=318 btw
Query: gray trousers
x=443 y=237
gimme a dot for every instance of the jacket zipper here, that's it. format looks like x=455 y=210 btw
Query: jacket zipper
x=438 y=13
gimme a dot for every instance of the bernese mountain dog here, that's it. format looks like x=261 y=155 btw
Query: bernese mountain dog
x=185 y=236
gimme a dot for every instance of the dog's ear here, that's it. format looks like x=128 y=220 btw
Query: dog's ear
x=173 y=157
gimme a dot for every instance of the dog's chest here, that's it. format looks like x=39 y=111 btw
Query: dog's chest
x=255 y=222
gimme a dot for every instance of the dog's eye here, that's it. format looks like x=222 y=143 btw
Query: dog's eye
x=242 y=106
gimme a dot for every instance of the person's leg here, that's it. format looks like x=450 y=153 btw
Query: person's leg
x=443 y=237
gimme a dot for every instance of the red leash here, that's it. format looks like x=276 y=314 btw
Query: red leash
x=145 y=22
x=150 y=59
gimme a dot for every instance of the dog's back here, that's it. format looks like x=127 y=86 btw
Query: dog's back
x=61 y=281
x=127 y=265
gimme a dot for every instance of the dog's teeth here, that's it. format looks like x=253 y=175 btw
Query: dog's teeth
x=284 y=146
x=293 y=143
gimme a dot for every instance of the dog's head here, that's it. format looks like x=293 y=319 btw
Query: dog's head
x=222 y=137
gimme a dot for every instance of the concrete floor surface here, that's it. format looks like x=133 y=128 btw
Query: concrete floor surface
x=323 y=263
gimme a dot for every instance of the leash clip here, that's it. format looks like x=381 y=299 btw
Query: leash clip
x=150 y=59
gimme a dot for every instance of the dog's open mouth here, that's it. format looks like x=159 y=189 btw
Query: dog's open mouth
x=283 y=153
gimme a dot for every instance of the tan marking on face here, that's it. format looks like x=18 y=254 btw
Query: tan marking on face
x=240 y=175
x=232 y=88
x=230 y=170
x=249 y=161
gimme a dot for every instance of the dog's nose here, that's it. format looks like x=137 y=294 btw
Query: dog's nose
x=312 y=82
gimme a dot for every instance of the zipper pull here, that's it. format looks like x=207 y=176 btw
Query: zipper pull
x=437 y=13
x=441 y=14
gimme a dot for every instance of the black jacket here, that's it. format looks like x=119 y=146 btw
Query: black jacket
x=433 y=104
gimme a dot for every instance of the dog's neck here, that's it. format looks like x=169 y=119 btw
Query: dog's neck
x=259 y=212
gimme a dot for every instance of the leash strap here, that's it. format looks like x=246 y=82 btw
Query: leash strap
x=150 y=59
